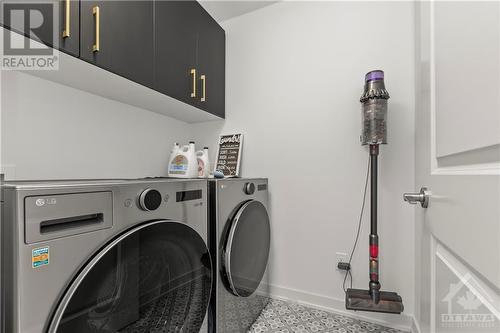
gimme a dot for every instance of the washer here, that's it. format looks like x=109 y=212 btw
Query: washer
x=240 y=237
x=105 y=256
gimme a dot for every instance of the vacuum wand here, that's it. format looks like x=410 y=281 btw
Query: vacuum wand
x=374 y=133
x=374 y=283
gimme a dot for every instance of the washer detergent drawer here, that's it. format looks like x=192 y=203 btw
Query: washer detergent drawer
x=54 y=216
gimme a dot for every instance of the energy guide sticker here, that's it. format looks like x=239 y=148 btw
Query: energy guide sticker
x=40 y=257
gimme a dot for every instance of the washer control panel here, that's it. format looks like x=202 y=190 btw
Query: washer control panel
x=150 y=199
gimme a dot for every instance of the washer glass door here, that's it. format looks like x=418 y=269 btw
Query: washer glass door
x=153 y=278
x=247 y=248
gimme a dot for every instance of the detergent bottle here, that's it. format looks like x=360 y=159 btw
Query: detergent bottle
x=184 y=164
x=173 y=153
x=203 y=163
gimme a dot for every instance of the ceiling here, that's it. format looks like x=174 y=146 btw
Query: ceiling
x=224 y=10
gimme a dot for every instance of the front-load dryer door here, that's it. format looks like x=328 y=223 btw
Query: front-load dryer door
x=247 y=248
x=155 y=277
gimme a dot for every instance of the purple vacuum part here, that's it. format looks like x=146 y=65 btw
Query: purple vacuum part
x=374 y=75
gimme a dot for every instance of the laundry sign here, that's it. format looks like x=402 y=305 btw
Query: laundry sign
x=229 y=154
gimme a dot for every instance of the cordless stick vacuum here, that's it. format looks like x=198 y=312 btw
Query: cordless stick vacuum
x=374 y=133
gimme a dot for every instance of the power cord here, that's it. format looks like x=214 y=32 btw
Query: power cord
x=348 y=272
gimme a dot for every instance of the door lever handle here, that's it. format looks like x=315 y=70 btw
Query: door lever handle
x=423 y=197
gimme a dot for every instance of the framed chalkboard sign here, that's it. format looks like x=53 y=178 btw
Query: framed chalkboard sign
x=229 y=154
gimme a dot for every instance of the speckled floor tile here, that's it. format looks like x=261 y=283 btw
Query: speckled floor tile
x=287 y=317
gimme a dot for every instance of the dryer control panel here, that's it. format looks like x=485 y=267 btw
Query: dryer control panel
x=249 y=188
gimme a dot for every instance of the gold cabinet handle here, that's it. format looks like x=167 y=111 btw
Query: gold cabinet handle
x=193 y=92
x=96 y=13
x=66 y=32
x=203 y=79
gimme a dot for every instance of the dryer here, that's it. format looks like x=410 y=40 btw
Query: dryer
x=240 y=236
x=105 y=256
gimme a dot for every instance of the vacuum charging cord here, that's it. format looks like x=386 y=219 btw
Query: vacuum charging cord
x=360 y=222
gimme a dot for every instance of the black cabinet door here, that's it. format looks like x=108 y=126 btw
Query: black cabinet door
x=212 y=64
x=60 y=22
x=118 y=36
x=190 y=55
x=176 y=31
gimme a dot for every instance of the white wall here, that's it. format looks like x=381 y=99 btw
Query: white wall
x=50 y=131
x=294 y=77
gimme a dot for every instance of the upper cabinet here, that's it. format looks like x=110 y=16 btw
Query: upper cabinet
x=118 y=36
x=174 y=48
x=190 y=55
x=212 y=65
x=65 y=33
x=176 y=38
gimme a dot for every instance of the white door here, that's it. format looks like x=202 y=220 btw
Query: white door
x=458 y=159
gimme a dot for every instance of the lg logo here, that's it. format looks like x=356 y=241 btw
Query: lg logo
x=33 y=20
x=40 y=202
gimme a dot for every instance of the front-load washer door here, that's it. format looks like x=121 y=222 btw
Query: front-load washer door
x=155 y=277
x=247 y=248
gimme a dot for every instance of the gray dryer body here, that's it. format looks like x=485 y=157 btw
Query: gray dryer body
x=240 y=243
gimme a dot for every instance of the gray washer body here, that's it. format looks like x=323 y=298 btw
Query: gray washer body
x=229 y=312
x=31 y=294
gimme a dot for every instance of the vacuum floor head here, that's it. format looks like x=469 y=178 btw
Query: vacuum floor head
x=361 y=300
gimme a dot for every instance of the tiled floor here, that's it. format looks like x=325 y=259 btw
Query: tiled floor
x=286 y=317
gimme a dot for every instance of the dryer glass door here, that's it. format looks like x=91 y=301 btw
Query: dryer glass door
x=153 y=278
x=247 y=248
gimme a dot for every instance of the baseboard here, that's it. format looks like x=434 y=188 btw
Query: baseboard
x=405 y=322
x=415 y=327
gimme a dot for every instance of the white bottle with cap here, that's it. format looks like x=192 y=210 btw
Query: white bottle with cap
x=184 y=164
x=173 y=153
x=203 y=163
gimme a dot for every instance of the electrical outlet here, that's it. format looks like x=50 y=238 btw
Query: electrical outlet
x=341 y=257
